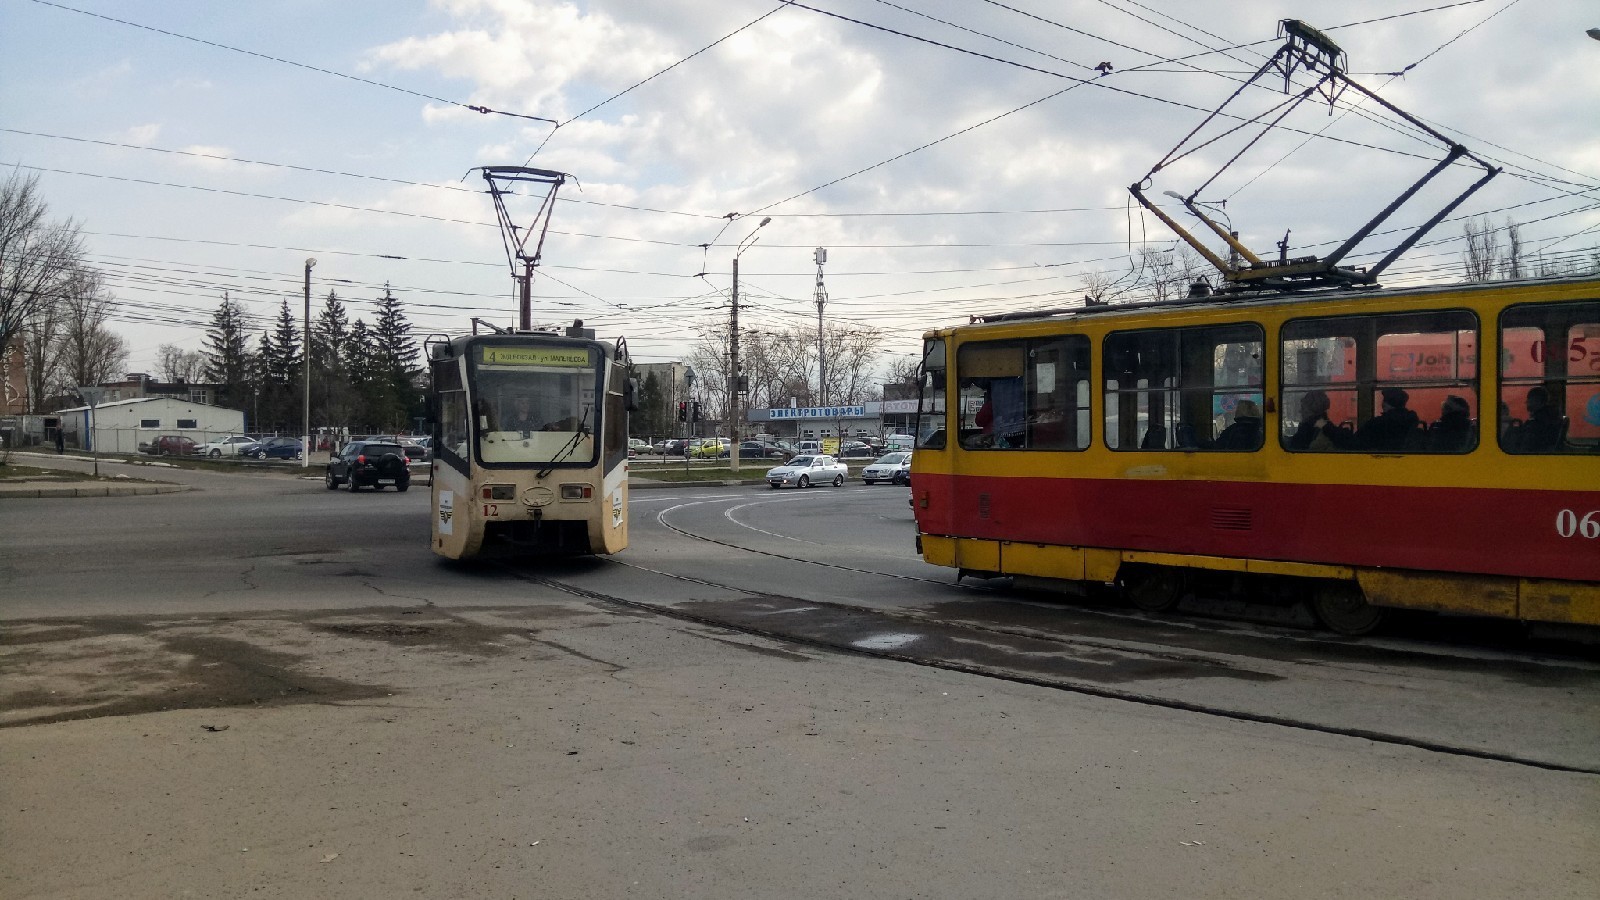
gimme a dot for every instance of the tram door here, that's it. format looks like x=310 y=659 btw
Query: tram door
x=456 y=532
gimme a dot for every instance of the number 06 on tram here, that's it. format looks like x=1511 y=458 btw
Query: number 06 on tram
x=530 y=444
x=1434 y=449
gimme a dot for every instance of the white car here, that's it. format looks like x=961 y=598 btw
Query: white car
x=228 y=446
x=895 y=467
x=804 y=471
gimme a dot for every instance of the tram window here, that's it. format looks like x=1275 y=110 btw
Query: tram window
x=1184 y=388
x=1401 y=383
x=1024 y=394
x=1550 y=378
x=931 y=407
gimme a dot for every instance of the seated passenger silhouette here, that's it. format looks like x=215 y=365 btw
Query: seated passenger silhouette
x=1454 y=432
x=1390 y=430
x=1541 y=431
x=1315 y=431
x=1245 y=432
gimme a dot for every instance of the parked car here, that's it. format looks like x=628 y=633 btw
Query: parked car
x=373 y=464
x=893 y=467
x=226 y=446
x=808 y=447
x=856 y=450
x=804 y=471
x=756 y=450
x=275 y=448
x=173 y=445
x=675 y=447
x=635 y=445
x=709 y=448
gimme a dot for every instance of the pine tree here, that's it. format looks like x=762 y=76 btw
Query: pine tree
x=227 y=354
x=332 y=398
x=286 y=363
x=398 y=361
x=372 y=393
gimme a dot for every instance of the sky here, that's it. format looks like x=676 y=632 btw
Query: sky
x=955 y=157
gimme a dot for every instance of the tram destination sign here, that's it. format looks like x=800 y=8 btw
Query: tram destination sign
x=535 y=356
x=817 y=412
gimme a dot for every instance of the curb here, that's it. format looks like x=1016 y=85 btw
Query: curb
x=36 y=491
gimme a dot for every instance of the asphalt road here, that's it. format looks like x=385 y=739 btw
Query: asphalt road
x=263 y=686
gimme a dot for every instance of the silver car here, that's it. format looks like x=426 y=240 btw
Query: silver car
x=804 y=471
x=895 y=467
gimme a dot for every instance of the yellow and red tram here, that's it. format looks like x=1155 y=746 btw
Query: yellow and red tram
x=1434 y=449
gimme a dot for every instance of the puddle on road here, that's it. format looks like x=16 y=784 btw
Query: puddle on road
x=61 y=670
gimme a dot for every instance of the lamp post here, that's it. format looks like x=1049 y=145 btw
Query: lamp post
x=733 y=350
x=305 y=436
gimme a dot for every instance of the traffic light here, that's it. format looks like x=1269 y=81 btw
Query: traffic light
x=683 y=411
x=697 y=410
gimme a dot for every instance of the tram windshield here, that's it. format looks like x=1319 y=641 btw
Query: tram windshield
x=535 y=405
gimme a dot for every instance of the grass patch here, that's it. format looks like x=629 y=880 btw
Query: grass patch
x=14 y=473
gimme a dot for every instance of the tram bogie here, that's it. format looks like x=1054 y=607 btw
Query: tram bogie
x=530 y=445
x=1426 y=450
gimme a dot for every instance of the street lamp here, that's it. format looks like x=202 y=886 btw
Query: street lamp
x=305 y=348
x=733 y=350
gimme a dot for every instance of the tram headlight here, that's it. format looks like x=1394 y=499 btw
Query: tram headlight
x=499 y=492
x=577 y=492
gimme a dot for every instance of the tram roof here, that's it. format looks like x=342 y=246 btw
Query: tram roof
x=1264 y=299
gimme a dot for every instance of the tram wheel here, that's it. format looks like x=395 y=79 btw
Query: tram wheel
x=1343 y=608
x=1154 y=588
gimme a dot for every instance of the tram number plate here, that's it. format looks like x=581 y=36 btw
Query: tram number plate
x=491 y=509
x=1569 y=524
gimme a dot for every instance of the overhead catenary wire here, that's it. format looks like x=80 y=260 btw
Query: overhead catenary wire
x=289 y=62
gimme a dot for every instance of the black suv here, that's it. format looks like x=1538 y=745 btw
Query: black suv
x=369 y=464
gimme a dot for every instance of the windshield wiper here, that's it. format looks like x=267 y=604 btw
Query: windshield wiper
x=570 y=445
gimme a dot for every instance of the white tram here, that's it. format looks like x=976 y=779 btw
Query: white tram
x=530 y=444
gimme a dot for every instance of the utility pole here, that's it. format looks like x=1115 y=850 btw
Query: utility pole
x=305 y=439
x=821 y=256
x=733 y=351
x=733 y=375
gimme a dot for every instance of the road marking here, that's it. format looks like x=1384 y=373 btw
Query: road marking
x=890 y=641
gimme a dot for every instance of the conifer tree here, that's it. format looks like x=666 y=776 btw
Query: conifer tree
x=227 y=354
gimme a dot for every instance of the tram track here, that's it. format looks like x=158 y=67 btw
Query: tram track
x=830 y=626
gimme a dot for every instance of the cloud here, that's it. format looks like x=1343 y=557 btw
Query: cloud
x=142 y=135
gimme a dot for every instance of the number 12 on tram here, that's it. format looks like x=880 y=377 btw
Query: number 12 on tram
x=530 y=445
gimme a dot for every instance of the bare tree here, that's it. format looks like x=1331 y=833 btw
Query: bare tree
x=173 y=363
x=1161 y=275
x=89 y=352
x=852 y=363
x=778 y=366
x=1482 y=256
x=1512 y=265
x=37 y=256
x=41 y=350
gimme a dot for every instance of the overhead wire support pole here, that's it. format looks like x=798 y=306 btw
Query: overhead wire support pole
x=515 y=240
x=735 y=380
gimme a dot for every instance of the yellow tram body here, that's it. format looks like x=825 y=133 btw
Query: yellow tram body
x=1107 y=453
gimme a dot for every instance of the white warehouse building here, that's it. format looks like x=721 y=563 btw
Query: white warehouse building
x=122 y=425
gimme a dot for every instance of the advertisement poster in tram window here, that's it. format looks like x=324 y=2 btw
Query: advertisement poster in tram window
x=1434 y=356
x=1523 y=356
